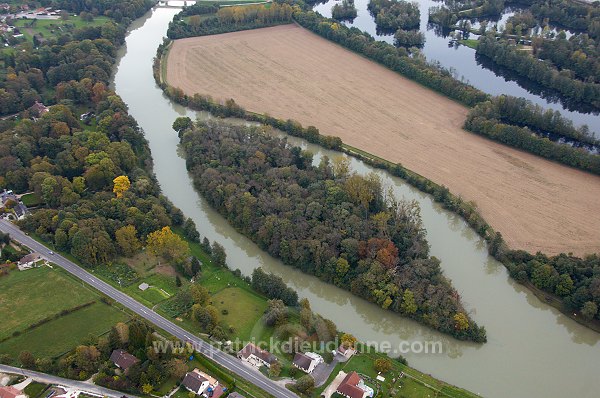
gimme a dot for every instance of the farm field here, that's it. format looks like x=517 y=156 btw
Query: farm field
x=289 y=72
x=30 y=296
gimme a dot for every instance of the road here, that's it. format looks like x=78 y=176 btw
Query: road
x=223 y=359
x=79 y=385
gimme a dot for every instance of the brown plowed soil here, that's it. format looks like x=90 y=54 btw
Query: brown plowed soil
x=289 y=72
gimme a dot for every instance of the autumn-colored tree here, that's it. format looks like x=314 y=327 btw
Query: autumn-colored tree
x=348 y=340
x=408 y=305
x=121 y=185
x=127 y=240
x=461 y=322
x=123 y=332
x=147 y=388
x=165 y=243
x=275 y=370
x=383 y=365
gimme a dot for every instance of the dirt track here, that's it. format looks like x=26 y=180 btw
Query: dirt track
x=289 y=72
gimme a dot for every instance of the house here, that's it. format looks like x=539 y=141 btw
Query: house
x=11 y=201
x=30 y=261
x=203 y=384
x=307 y=362
x=38 y=109
x=256 y=356
x=354 y=387
x=346 y=351
x=123 y=359
x=11 y=392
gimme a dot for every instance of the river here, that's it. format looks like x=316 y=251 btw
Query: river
x=533 y=350
x=479 y=72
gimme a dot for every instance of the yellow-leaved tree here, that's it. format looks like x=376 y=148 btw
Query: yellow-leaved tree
x=120 y=185
x=168 y=245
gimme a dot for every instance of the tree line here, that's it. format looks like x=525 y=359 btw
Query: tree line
x=228 y=19
x=544 y=73
x=324 y=220
x=494 y=119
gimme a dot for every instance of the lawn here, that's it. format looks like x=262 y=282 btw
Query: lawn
x=161 y=288
x=31 y=199
x=52 y=28
x=469 y=43
x=34 y=389
x=63 y=334
x=29 y=296
x=413 y=384
x=244 y=310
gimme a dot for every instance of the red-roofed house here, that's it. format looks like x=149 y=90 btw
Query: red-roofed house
x=11 y=392
x=350 y=387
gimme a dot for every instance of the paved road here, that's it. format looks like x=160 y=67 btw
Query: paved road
x=49 y=379
x=223 y=359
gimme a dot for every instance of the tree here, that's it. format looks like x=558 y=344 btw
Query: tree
x=461 y=322
x=195 y=265
x=168 y=245
x=182 y=123
x=200 y=294
x=190 y=231
x=127 y=240
x=276 y=313
x=305 y=384
x=219 y=256
x=348 y=340
x=565 y=286
x=408 y=305
x=147 y=388
x=27 y=359
x=589 y=310
x=121 y=185
x=275 y=369
x=122 y=331
x=177 y=281
x=177 y=368
x=383 y=365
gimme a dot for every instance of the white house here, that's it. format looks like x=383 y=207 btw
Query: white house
x=202 y=384
x=256 y=356
x=307 y=361
x=29 y=261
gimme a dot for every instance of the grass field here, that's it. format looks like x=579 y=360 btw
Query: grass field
x=34 y=389
x=28 y=296
x=31 y=199
x=288 y=72
x=244 y=310
x=52 y=28
x=65 y=333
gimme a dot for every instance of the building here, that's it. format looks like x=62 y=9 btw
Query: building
x=202 y=384
x=354 y=387
x=346 y=351
x=11 y=392
x=256 y=356
x=11 y=201
x=30 y=261
x=307 y=362
x=123 y=359
x=38 y=109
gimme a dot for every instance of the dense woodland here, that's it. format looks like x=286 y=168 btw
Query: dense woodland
x=94 y=177
x=326 y=221
x=391 y=15
x=228 y=19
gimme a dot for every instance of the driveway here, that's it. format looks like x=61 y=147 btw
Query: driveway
x=322 y=371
